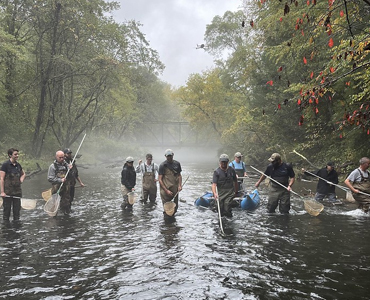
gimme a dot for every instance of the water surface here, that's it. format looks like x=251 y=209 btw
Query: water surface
x=100 y=252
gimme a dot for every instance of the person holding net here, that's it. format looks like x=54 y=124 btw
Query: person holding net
x=128 y=182
x=11 y=178
x=57 y=177
x=73 y=175
x=149 y=171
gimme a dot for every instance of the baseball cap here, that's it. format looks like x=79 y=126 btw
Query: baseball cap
x=330 y=164
x=224 y=157
x=67 y=150
x=168 y=152
x=274 y=157
x=129 y=159
x=238 y=154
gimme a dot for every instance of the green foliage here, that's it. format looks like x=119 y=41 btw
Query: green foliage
x=67 y=68
x=302 y=71
x=208 y=104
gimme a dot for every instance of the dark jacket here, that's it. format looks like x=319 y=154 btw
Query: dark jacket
x=322 y=186
x=128 y=177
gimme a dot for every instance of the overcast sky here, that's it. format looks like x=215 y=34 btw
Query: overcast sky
x=174 y=28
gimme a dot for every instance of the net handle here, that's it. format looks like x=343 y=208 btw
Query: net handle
x=73 y=160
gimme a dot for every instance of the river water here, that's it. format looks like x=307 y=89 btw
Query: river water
x=100 y=252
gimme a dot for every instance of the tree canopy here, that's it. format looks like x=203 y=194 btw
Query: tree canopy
x=287 y=76
x=301 y=72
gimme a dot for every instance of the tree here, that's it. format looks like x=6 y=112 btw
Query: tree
x=76 y=62
x=208 y=104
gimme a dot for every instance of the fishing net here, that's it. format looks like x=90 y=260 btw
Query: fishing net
x=313 y=207
x=131 y=196
x=349 y=197
x=46 y=195
x=169 y=208
x=28 y=203
x=51 y=207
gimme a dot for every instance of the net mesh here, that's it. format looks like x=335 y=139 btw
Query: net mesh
x=169 y=208
x=349 y=197
x=51 y=207
x=313 y=207
x=28 y=203
x=131 y=197
x=46 y=195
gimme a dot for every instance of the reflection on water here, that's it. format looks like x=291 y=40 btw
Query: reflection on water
x=102 y=252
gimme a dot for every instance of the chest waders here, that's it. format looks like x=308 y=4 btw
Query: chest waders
x=65 y=203
x=363 y=186
x=12 y=187
x=171 y=182
x=226 y=192
x=12 y=184
x=149 y=185
x=278 y=196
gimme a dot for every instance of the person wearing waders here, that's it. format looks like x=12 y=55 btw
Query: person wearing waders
x=73 y=176
x=170 y=180
x=128 y=182
x=324 y=188
x=56 y=176
x=278 y=195
x=149 y=171
x=224 y=185
x=11 y=178
x=359 y=181
x=239 y=166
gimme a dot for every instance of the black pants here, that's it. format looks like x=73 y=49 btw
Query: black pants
x=71 y=193
x=8 y=203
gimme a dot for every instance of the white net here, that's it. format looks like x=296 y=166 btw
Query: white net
x=28 y=203
x=51 y=207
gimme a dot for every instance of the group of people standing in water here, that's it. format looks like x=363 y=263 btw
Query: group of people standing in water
x=226 y=182
x=168 y=174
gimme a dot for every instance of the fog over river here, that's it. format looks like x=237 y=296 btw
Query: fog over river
x=100 y=252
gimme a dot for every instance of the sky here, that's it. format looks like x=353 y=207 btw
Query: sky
x=174 y=28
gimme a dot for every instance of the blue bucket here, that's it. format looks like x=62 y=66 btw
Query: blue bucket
x=250 y=201
x=204 y=200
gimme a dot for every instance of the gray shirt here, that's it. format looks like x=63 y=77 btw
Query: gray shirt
x=52 y=172
x=355 y=175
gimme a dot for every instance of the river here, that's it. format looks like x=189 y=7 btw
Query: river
x=100 y=252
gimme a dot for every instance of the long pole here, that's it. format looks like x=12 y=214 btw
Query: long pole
x=219 y=211
x=329 y=182
x=78 y=149
x=305 y=159
x=341 y=187
x=308 y=210
x=276 y=182
x=182 y=186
